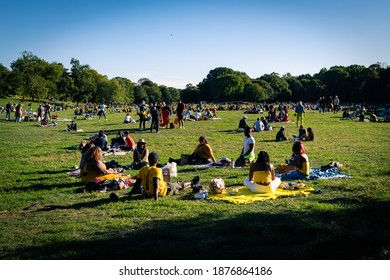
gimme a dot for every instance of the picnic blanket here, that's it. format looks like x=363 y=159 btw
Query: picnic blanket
x=245 y=196
x=116 y=152
x=332 y=173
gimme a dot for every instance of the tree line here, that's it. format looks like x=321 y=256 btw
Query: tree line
x=33 y=77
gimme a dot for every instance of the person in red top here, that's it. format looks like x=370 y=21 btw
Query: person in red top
x=130 y=144
x=165 y=113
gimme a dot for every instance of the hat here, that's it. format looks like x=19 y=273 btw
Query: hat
x=126 y=132
x=282 y=128
x=141 y=141
x=244 y=117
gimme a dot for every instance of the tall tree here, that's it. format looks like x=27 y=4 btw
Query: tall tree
x=84 y=82
x=128 y=89
x=28 y=74
x=280 y=87
x=5 y=82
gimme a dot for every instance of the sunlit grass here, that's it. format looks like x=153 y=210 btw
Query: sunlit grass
x=349 y=220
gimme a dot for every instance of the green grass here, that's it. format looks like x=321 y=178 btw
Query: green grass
x=349 y=220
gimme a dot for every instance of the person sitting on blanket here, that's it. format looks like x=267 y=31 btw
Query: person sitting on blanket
x=119 y=140
x=300 y=161
x=93 y=169
x=140 y=155
x=72 y=126
x=262 y=175
x=150 y=181
x=129 y=143
x=203 y=153
x=248 y=151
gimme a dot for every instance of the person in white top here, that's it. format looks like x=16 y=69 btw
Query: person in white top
x=336 y=104
x=258 y=125
x=248 y=151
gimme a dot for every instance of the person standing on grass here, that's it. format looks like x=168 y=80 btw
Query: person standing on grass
x=336 y=104
x=155 y=112
x=262 y=175
x=300 y=112
x=8 y=109
x=180 y=113
x=18 y=112
x=142 y=115
x=102 y=111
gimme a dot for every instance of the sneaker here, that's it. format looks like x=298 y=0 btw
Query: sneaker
x=195 y=180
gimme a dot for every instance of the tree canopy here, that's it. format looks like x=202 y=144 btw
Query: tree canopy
x=31 y=76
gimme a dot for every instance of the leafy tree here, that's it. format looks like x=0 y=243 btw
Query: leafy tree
x=84 y=82
x=65 y=86
x=254 y=92
x=53 y=75
x=27 y=72
x=280 y=87
x=140 y=94
x=222 y=84
x=5 y=74
x=336 y=81
x=152 y=90
x=190 y=93
x=227 y=87
x=127 y=87
x=169 y=94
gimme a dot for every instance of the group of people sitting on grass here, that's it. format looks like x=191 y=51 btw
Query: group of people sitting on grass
x=303 y=134
x=263 y=177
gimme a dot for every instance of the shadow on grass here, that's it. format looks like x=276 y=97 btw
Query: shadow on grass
x=44 y=172
x=232 y=131
x=358 y=233
x=38 y=187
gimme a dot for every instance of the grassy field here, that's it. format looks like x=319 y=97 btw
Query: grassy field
x=349 y=220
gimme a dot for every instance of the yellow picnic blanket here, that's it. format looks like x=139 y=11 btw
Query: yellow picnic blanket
x=245 y=196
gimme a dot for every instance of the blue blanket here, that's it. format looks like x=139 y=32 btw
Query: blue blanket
x=332 y=173
x=316 y=173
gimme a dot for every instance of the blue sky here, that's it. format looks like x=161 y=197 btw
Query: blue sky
x=175 y=43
